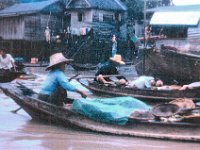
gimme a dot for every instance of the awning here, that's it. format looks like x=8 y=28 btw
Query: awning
x=175 y=18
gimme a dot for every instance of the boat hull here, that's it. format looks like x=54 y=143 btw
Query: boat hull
x=171 y=65
x=83 y=67
x=146 y=95
x=8 y=76
x=46 y=112
x=35 y=65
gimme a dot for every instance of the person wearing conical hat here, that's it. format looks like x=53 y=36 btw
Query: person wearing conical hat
x=55 y=85
x=110 y=69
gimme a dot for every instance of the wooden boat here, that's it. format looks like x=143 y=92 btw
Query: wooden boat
x=146 y=95
x=35 y=65
x=82 y=67
x=65 y=116
x=8 y=76
x=171 y=65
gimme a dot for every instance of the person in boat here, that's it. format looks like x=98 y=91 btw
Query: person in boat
x=7 y=62
x=110 y=68
x=145 y=82
x=169 y=87
x=55 y=85
x=191 y=86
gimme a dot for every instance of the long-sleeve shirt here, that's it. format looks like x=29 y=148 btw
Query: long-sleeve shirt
x=54 y=79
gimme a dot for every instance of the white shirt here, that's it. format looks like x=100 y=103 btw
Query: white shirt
x=6 y=63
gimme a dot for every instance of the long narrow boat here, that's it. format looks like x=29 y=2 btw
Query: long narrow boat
x=8 y=76
x=35 y=65
x=65 y=116
x=146 y=95
x=170 y=65
x=82 y=67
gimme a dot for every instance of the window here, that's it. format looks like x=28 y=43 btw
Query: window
x=118 y=17
x=100 y=17
x=95 y=18
x=108 y=18
x=80 y=17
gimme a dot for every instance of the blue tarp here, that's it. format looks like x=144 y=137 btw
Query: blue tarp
x=110 y=110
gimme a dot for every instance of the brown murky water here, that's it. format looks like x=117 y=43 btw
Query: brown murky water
x=18 y=131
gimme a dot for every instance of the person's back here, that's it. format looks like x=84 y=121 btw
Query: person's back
x=109 y=69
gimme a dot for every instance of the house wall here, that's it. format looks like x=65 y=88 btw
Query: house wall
x=87 y=19
x=29 y=28
x=99 y=25
x=32 y=27
x=12 y=28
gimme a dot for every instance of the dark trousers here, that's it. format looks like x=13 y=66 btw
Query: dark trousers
x=58 y=97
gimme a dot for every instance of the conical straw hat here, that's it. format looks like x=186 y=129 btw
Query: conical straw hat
x=57 y=58
x=118 y=59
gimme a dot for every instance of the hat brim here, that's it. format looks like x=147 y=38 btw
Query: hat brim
x=66 y=62
x=116 y=61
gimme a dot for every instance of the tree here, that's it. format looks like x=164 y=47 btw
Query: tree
x=136 y=7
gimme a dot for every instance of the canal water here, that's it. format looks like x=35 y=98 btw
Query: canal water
x=18 y=131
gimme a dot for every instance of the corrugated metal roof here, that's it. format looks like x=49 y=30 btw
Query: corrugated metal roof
x=188 y=18
x=101 y=4
x=182 y=8
x=26 y=8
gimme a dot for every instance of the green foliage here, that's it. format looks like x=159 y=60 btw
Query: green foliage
x=136 y=7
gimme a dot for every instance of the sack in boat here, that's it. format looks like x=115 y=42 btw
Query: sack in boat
x=165 y=110
x=184 y=103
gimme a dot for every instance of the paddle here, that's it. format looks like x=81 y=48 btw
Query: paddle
x=29 y=91
x=105 y=76
x=15 y=111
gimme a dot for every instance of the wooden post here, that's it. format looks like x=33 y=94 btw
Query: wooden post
x=144 y=49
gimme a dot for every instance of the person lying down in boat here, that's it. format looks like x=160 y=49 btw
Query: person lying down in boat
x=194 y=85
x=55 y=85
x=145 y=82
x=110 y=69
x=191 y=86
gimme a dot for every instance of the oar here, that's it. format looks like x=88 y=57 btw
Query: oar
x=73 y=77
x=15 y=111
x=105 y=76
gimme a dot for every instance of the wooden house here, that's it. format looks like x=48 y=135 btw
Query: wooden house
x=22 y=25
x=105 y=17
x=180 y=25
